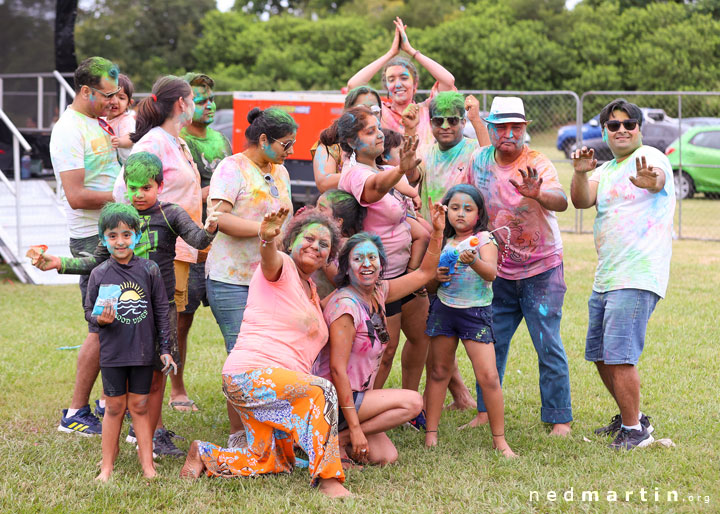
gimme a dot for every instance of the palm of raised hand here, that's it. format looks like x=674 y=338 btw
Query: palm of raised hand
x=530 y=186
x=272 y=223
x=584 y=160
x=645 y=176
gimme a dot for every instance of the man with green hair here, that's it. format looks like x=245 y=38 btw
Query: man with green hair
x=208 y=147
x=85 y=165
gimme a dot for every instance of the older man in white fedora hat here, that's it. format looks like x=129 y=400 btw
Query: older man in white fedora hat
x=522 y=194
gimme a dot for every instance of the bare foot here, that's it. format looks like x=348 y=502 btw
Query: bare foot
x=332 y=488
x=193 y=466
x=464 y=404
x=150 y=473
x=431 y=439
x=561 y=429
x=480 y=419
x=104 y=475
x=500 y=444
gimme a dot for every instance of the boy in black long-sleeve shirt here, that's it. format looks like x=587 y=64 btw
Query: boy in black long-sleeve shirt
x=161 y=225
x=126 y=301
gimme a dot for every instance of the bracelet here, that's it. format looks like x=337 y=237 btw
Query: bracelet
x=264 y=243
x=353 y=407
x=432 y=253
x=498 y=435
x=414 y=56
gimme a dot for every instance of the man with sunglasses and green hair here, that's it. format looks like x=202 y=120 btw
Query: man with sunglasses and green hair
x=634 y=195
x=85 y=165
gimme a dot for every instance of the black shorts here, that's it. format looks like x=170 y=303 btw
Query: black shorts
x=126 y=379
x=395 y=307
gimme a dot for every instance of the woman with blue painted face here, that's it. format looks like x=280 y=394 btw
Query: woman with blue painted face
x=355 y=313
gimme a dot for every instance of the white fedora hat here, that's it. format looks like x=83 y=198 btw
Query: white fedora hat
x=507 y=109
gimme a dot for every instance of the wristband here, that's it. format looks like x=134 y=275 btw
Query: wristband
x=414 y=56
x=264 y=243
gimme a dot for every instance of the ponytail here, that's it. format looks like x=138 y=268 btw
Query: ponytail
x=152 y=111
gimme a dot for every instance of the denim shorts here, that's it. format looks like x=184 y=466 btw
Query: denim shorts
x=83 y=247
x=618 y=320
x=227 y=302
x=196 y=288
x=472 y=323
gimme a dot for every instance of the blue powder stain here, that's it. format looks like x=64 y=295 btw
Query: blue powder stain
x=543 y=309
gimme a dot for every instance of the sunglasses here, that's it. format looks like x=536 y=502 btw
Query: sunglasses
x=614 y=125
x=271 y=182
x=439 y=121
x=378 y=324
x=106 y=126
x=106 y=95
x=375 y=109
x=285 y=144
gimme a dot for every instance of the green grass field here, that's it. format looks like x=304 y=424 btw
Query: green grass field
x=44 y=470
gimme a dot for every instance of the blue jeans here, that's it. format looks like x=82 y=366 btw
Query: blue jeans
x=539 y=300
x=227 y=302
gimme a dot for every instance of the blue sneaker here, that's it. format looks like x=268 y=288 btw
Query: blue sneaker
x=99 y=411
x=628 y=439
x=83 y=423
x=418 y=422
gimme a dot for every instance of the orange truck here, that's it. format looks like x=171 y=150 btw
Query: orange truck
x=313 y=112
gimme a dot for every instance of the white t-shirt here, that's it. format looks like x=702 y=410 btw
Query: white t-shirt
x=78 y=142
x=633 y=227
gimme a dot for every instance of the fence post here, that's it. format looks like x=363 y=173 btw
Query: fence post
x=680 y=134
x=16 y=166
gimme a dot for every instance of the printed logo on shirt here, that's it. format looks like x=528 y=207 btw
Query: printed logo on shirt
x=100 y=145
x=132 y=304
x=148 y=240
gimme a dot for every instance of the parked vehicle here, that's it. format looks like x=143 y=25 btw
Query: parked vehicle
x=223 y=123
x=699 y=171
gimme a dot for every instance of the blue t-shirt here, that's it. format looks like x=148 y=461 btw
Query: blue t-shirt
x=466 y=288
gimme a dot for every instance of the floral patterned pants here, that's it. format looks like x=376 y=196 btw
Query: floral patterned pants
x=279 y=407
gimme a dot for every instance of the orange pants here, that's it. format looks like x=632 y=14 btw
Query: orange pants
x=279 y=407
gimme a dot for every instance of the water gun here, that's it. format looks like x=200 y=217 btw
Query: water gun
x=449 y=256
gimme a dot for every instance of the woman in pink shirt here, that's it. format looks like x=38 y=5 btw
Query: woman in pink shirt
x=355 y=314
x=267 y=376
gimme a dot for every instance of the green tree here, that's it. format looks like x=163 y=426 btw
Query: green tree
x=146 y=38
x=26 y=37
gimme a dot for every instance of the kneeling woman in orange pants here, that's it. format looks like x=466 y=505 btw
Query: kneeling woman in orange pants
x=267 y=376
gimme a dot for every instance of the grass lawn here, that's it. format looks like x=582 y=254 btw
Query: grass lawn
x=44 y=470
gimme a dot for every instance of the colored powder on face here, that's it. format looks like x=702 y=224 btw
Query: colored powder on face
x=269 y=152
x=115 y=213
x=365 y=254
x=140 y=168
x=448 y=103
x=604 y=136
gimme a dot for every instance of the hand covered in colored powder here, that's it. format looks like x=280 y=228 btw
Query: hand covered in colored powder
x=442 y=274
x=395 y=47
x=404 y=43
x=107 y=316
x=46 y=262
x=410 y=118
x=408 y=158
x=646 y=176
x=584 y=159
x=472 y=106
x=467 y=256
x=272 y=224
x=211 y=222
x=530 y=187
x=168 y=363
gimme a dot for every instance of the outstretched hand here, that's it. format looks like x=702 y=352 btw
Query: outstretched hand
x=437 y=214
x=646 y=177
x=530 y=187
x=271 y=224
x=584 y=159
x=408 y=157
